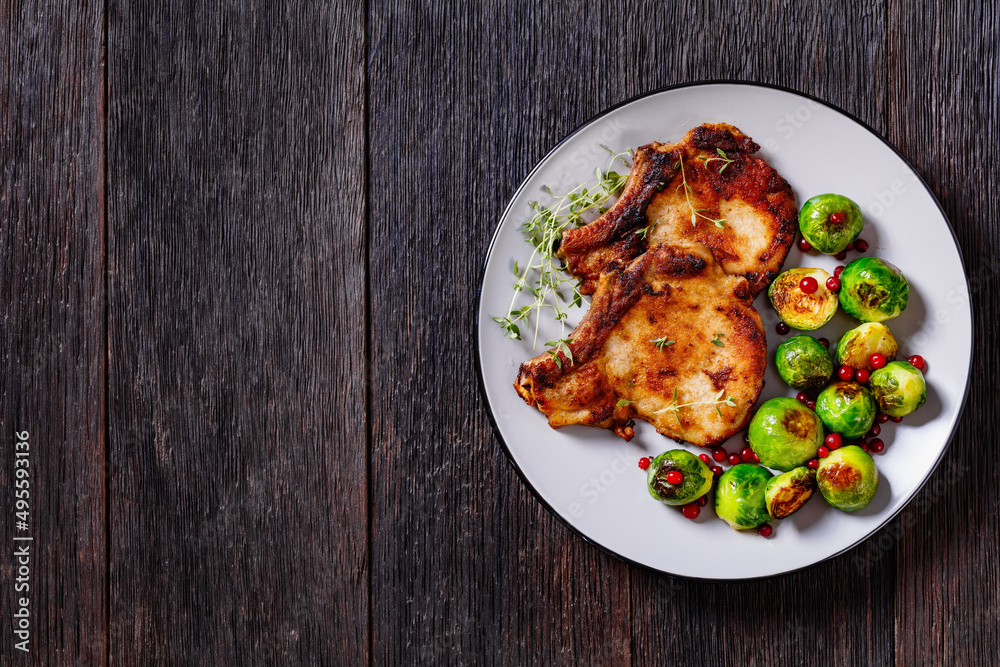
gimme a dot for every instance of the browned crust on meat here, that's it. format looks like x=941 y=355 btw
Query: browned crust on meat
x=655 y=177
x=589 y=250
x=675 y=292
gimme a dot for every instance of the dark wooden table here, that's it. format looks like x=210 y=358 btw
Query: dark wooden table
x=238 y=262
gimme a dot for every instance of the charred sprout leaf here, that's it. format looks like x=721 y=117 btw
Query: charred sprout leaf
x=848 y=478
x=873 y=290
x=857 y=346
x=543 y=275
x=789 y=491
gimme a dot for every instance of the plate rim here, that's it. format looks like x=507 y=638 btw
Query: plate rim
x=479 y=305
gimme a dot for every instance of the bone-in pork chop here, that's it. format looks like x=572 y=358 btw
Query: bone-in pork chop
x=720 y=195
x=669 y=338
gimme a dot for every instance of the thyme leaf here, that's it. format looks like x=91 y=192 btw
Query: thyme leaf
x=561 y=345
x=543 y=278
x=689 y=193
x=675 y=407
x=723 y=158
x=661 y=342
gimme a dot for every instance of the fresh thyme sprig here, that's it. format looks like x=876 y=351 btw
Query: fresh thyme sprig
x=543 y=277
x=643 y=231
x=723 y=158
x=718 y=340
x=688 y=192
x=675 y=406
x=661 y=342
x=561 y=345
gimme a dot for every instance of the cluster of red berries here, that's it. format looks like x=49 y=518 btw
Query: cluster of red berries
x=876 y=361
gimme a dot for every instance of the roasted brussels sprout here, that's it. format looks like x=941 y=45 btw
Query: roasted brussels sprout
x=846 y=408
x=898 y=388
x=739 y=498
x=800 y=309
x=786 y=493
x=873 y=290
x=830 y=222
x=785 y=433
x=848 y=478
x=804 y=363
x=696 y=477
x=857 y=346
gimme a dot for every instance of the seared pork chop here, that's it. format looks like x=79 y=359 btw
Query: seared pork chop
x=672 y=335
x=724 y=197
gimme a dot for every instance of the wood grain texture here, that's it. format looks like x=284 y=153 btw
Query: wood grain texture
x=467 y=565
x=236 y=317
x=299 y=196
x=944 y=88
x=52 y=331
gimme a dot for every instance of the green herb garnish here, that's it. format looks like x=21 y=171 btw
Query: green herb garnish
x=543 y=278
x=661 y=342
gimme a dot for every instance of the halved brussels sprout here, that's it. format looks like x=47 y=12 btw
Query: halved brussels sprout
x=846 y=408
x=898 y=388
x=798 y=309
x=857 y=346
x=830 y=222
x=786 y=493
x=848 y=478
x=697 y=477
x=785 y=433
x=804 y=363
x=739 y=498
x=873 y=290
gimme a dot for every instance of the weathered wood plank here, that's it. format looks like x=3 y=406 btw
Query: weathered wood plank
x=944 y=90
x=467 y=566
x=237 y=333
x=52 y=355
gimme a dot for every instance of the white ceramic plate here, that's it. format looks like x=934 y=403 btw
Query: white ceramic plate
x=590 y=478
